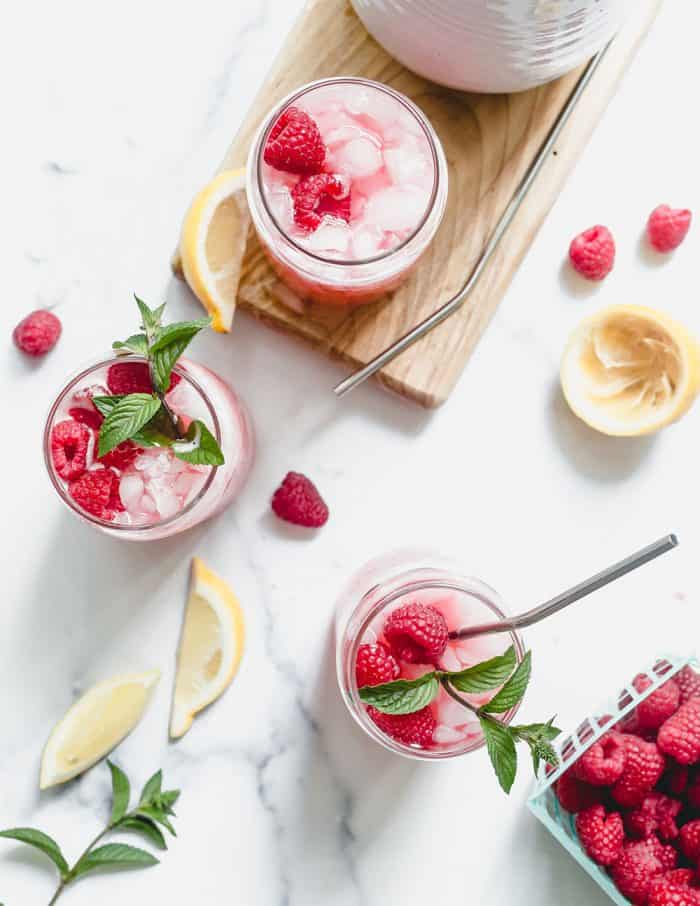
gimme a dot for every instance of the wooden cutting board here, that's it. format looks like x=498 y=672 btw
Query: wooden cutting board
x=489 y=141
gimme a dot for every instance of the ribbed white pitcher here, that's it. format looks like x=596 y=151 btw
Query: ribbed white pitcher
x=492 y=45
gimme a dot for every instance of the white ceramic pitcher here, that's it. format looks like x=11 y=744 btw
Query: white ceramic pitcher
x=492 y=45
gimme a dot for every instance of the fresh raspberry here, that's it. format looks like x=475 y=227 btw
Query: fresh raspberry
x=417 y=633
x=121 y=456
x=664 y=891
x=667 y=227
x=679 y=737
x=114 y=505
x=644 y=765
x=592 y=253
x=656 y=815
x=38 y=333
x=659 y=706
x=336 y=207
x=688 y=681
x=375 y=664
x=690 y=840
x=90 y=417
x=316 y=195
x=604 y=762
x=133 y=377
x=69 y=446
x=574 y=795
x=601 y=835
x=92 y=491
x=298 y=501
x=635 y=870
x=683 y=877
x=411 y=729
x=664 y=852
x=295 y=144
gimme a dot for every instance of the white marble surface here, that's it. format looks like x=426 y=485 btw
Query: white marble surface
x=112 y=120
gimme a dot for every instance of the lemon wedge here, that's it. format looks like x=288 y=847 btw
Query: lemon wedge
x=629 y=370
x=212 y=245
x=94 y=725
x=211 y=647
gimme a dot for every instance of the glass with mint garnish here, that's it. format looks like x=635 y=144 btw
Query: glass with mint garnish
x=145 y=443
x=420 y=689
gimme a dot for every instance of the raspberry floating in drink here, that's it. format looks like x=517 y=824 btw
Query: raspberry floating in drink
x=141 y=461
x=347 y=184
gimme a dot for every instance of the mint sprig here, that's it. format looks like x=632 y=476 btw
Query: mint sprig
x=504 y=671
x=147 y=418
x=155 y=808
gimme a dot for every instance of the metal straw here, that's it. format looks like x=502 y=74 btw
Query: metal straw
x=516 y=201
x=554 y=605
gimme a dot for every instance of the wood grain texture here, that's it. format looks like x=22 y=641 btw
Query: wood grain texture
x=489 y=142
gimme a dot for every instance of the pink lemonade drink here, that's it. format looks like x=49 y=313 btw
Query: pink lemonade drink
x=371 y=647
x=347 y=185
x=144 y=493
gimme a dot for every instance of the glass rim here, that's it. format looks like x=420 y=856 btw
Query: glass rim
x=56 y=481
x=408 y=105
x=346 y=672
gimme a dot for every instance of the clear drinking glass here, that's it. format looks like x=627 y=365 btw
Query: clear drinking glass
x=353 y=115
x=159 y=495
x=381 y=587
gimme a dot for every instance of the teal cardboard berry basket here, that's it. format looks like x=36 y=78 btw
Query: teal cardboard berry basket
x=543 y=802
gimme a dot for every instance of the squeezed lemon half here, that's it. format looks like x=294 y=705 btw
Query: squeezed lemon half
x=210 y=649
x=629 y=370
x=212 y=245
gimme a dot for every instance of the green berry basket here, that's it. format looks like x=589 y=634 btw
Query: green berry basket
x=543 y=802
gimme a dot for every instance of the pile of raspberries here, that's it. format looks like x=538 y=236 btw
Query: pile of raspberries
x=636 y=796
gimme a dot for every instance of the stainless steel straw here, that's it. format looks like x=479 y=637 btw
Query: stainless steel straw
x=516 y=201
x=554 y=605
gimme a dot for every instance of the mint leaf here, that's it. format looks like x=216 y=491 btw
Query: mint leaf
x=121 y=790
x=199 y=447
x=513 y=690
x=151 y=788
x=501 y=749
x=156 y=814
x=150 y=318
x=180 y=330
x=163 y=361
x=41 y=841
x=149 y=829
x=167 y=800
x=538 y=737
x=114 y=855
x=485 y=676
x=129 y=415
x=105 y=404
x=136 y=343
x=545 y=732
x=401 y=696
x=542 y=751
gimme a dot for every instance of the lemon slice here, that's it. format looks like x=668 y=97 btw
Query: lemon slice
x=212 y=245
x=629 y=370
x=210 y=647
x=94 y=725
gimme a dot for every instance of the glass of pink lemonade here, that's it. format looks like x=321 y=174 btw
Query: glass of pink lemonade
x=145 y=493
x=380 y=598
x=347 y=185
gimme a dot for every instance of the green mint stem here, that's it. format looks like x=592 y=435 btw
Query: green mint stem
x=445 y=682
x=69 y=877
x=177 y=427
